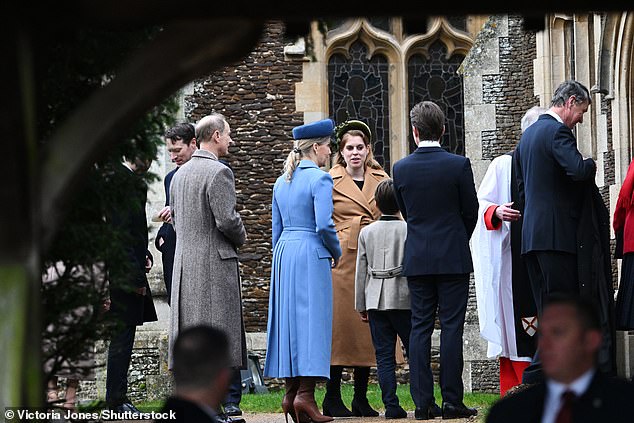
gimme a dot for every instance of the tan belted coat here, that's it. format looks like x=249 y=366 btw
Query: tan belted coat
x=353 y=209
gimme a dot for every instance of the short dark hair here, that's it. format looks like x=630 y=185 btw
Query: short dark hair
x=385 y=198
x=567 y=89
x=429 y=119
x=200 y=353
x=184 y=132
x=586 y=309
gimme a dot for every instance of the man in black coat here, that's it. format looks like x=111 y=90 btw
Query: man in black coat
x=570 y=337
x=436 y=194
x=131 y=299
x=550 y=173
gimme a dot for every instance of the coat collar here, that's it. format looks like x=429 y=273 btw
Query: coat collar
x=429 y=150
x=344 y=185
x=307 y=163
x=204 y=154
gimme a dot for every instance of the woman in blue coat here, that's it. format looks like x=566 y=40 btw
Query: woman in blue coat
x=305 y=247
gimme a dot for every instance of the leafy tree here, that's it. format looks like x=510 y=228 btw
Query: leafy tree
x=77 y=63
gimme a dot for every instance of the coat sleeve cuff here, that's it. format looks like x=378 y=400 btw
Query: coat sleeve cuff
x=490 y=220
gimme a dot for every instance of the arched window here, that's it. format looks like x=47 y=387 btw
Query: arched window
x=435 y=78
x=358 y=88
x=375 y=70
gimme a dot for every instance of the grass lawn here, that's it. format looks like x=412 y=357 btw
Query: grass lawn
x=271 y=402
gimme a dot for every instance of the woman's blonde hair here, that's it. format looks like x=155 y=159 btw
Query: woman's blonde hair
x=301 y=150
x=369 y=160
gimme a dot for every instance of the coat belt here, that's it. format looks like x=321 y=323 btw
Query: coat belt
x=355 y=224
x=386 y=273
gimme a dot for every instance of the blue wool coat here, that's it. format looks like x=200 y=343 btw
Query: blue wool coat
x=300 y=304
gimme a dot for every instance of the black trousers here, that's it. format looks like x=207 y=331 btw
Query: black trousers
x=448 y=294
x=234 y=392
x=549 y=272
x=119 y=355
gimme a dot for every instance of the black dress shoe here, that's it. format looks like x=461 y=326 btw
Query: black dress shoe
x=427 y=413
x=435 y=410
x=223 y=418
x=395 y=413
x=422 y=414
x=232 y=409
x=126 y=407
x=456 y=411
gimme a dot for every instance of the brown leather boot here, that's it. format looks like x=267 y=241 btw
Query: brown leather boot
x=292 y=385
x=305 y=406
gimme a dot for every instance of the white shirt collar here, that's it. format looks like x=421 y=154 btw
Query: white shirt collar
x=555 y=389
x=128 y=166
x=427 y=143
x=555 y=115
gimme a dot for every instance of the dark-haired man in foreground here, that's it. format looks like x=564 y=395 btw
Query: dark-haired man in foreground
x=574 y=390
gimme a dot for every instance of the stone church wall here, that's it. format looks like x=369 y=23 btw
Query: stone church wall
x=498 y=89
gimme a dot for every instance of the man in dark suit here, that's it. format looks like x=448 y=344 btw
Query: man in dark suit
x=437 y=197
x=550 y=173
x=131 y=299
x=181 y=144
x=574 y=391
x=201 y=375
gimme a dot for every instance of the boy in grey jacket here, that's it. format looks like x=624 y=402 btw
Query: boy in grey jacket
x=381 y=293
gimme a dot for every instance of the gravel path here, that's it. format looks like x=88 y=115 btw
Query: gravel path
x=279 y=418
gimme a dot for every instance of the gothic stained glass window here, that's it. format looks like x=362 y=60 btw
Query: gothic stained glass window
x=435 y=78
x=358 y=88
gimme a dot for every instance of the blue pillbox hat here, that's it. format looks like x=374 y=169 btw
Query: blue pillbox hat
x=321 y=128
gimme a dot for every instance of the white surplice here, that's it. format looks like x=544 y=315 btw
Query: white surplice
x=492 y=264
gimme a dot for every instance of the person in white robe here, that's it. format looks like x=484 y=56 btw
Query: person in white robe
x=506 y=308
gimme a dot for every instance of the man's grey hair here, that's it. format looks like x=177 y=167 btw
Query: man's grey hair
x=209 y=124
x=531 y=116
x=567 y=89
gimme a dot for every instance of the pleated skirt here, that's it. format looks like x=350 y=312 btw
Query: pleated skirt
x=299 y=328
x=624 y=307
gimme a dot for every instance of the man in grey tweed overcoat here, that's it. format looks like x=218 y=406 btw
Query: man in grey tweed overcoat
x=206 y=278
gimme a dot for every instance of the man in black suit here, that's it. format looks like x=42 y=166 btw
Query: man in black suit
x=570 y=337
x=181 y=144
x=550 y=173
x=131 y=299
x=201 y=375
x=436 y=194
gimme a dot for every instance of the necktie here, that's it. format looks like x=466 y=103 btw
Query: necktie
x=565 y=411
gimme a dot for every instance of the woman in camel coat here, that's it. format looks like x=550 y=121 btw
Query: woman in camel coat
x=355 y=175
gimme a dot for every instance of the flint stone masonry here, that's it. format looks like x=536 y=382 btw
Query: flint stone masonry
x=498 y=81
x=257 y=96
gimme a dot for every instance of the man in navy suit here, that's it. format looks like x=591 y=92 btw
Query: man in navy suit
x=181 y=144
x=436 y=194
x=550 y=173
